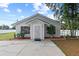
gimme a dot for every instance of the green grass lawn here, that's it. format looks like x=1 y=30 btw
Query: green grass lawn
x=7 y=36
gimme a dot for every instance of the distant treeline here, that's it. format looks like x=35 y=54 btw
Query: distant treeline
x=5 y=27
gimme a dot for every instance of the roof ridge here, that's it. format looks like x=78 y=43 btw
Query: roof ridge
x=34 y=16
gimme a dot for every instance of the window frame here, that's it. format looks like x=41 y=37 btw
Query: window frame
x=25 y=29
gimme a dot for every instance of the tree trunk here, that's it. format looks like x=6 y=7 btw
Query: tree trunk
x=73 y=33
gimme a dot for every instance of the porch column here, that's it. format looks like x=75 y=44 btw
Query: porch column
x=57 y=31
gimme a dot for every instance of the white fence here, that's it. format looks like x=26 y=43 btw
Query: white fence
x=67 y=32
x=62 y=32
x=6 y=31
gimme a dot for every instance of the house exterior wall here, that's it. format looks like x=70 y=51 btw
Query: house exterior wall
x=41 y=31
x=37 y=23
x=30 y=24
x=43 y=25
x=57 y=29
x=45 y=31
x=18 y=28
x=54 y=23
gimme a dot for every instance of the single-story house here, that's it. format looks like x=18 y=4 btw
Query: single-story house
x=36 y=26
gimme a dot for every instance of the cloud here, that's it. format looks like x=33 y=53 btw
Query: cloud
x=43 y=9
x=22 y=16
x=6 y=10
x=4 y=5
x=40 y=8
x=51 y=16
x=19 y=10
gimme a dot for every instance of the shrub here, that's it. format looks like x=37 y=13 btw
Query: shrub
x=51 y=30
x=20 y=34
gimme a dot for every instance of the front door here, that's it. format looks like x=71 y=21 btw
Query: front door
x=38 y=31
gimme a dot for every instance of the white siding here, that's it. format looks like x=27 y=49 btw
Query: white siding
x=42 y=23
x=36 y=22
x=57 y=31
x=18 y=28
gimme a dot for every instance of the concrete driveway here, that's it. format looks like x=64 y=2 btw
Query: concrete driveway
x=29 y=48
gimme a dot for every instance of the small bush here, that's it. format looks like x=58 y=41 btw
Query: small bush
x=20 y=34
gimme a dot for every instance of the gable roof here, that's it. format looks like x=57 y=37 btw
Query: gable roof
x=44 y=19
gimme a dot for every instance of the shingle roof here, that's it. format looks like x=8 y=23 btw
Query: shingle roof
x=44 y=18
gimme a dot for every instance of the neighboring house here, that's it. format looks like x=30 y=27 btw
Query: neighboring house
x=36 y=26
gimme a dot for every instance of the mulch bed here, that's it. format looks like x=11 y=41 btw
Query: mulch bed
x=69 y=47
x=55 y=38
x=21 y=38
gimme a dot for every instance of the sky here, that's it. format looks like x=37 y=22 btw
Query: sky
x=11 y=12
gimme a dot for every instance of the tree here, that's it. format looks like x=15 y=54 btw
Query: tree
x=51 y=30
x=0 y=27
x=69 y=16
x=13 y=27
x=69 y=13
x=4 y=27
x=56 y=8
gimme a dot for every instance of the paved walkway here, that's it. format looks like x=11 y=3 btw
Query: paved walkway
x=29 y=48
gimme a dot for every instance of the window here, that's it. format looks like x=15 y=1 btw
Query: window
x=25 y=29
x=51 y=29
